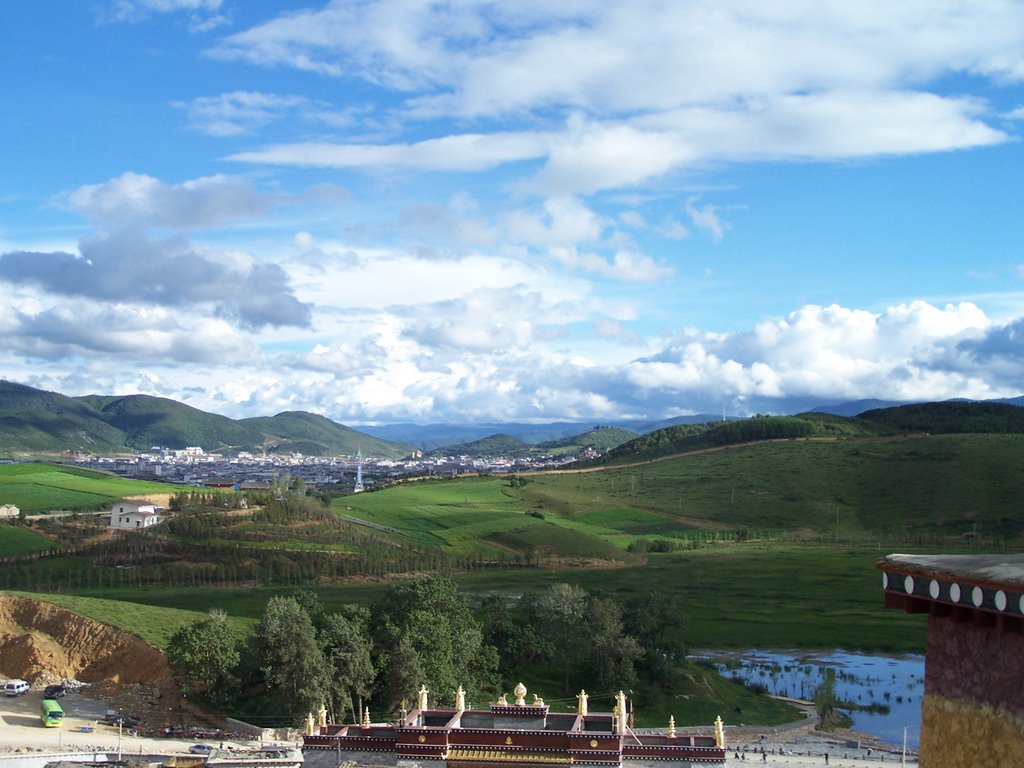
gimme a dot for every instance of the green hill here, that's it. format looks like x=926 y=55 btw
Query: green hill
x=35 y=421
x=952 y=417
x=600 y=438
x=148 y=421
x=927 y=488
x=492 y=445
x=309 y=433
x=694 y=437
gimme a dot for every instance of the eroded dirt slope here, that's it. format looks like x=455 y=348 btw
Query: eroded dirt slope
x=44 y=643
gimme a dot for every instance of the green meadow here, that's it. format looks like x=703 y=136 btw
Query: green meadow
x=15 y=540
x=39 y=488
x=740 y=596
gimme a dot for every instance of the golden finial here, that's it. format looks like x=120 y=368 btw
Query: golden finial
x=520 y=694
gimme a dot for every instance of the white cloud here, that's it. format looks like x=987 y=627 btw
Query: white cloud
x=203 y=18
x=484 y=356
x=103 y=332
x=137 y=200
x=465 y=152
x=591 y=155
x=644 y=89
x=240 y=112
x=831 y=353
x=487 y=58
x=128 y=266
x=706 y=218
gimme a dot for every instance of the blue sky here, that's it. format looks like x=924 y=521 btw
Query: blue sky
x=489 y=211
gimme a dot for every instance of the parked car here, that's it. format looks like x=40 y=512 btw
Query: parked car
x=126 y=720
x=54 y=691
x=15 y=688
x=200 y=749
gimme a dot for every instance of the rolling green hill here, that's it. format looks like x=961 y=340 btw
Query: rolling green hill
x=695 y=437
x=601 y=438
x=949 y=418
x=35 y=488
x=933 y=418
x=309 y=433
x=934 y=489
x=492 y=445
x=34 y=421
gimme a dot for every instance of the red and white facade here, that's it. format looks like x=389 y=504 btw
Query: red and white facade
x=516 y=734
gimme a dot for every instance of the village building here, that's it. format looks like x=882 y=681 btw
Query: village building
x=9 y=512
x=972 y=713
x=128 y=514
x=504 y=734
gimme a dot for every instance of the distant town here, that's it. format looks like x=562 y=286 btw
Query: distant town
x=195 y=467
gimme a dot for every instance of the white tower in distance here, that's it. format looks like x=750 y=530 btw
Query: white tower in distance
x=358 y=487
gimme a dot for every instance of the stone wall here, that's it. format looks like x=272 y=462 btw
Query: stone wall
x=973 y=710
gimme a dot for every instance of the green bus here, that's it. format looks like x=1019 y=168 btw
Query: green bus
x=51 y=713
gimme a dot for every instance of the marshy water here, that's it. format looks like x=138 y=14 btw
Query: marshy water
x=881 y=694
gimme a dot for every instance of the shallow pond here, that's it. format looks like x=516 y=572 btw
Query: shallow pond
x=886 y=691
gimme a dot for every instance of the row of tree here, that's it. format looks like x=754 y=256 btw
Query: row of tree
x=422 y=632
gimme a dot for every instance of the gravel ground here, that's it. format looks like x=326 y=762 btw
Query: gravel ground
x=23 y=731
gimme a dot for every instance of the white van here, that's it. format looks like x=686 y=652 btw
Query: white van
x=15 y=687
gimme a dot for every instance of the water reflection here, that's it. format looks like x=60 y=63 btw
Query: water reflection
x=884 y=692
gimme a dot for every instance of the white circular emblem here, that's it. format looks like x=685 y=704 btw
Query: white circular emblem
x=954 y=593
x=1001 y=600
x=933 y=589
x=977 y=596
x=908 y=585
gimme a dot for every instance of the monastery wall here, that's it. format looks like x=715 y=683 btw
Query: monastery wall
x=974 y=699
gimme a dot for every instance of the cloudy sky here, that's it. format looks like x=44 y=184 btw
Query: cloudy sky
x=459 y=211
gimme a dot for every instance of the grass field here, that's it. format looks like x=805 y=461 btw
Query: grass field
x=939 y=491
x=779 y=596
x=474 y=515
x=37 y=488
x=935 y=486
x=15 y=540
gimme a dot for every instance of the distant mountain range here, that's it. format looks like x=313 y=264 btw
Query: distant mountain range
x=37 y=421
x=429 y=437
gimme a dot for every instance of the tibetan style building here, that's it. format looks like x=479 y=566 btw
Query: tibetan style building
x=521 y=734
x=973 y=708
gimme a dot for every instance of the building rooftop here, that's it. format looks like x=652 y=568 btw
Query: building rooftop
x=995 y=570
x=984 y=589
